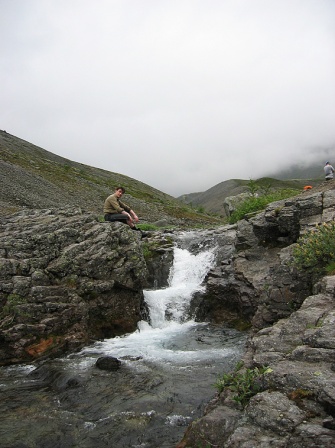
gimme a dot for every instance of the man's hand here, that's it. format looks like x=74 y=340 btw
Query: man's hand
x=128 y=215
x=134 y=216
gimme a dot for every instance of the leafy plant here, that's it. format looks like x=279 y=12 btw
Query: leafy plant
x=266 y=188
x=253 y=187
x=243 y=384
x=330 y=268
x=316 y=249
x=200 y=209
x=257 y=203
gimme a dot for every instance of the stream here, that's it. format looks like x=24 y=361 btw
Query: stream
x=168 y=368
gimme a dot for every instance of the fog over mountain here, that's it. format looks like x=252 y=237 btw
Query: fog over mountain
x=180 y=94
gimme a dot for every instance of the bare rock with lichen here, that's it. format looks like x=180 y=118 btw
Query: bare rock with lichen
x=66 y=279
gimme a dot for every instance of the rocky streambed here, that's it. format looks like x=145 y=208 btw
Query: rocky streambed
x=148 y=402
x=166 y=377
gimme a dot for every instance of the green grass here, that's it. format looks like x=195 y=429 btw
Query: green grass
x=258 y=203
x=148 y=227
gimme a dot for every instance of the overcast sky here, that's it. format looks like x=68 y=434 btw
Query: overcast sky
x=179 y=94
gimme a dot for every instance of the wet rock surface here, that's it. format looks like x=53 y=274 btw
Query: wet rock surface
x=69 y=402
x=108 y=363
x=292 y=334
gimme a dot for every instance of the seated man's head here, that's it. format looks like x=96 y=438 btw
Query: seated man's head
x=119 y=191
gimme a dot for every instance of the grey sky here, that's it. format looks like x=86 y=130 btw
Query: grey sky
x=179 y=94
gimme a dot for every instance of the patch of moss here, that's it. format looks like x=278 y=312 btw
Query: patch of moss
x=299 y=394
x=147 y=252
x=11 y=306
x=241 y=324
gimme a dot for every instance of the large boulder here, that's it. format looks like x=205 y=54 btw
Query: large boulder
x=66 y=279
x=231 y=203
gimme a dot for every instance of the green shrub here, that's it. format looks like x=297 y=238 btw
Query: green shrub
x=253 y=187
x=330 y=268
x=257 y=203
x=200 y=209
x=244 y=384
x=316 y=250
x=250 y=205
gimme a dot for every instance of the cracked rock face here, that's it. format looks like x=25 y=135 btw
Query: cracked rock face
x=293 y=335
x=66 y=279
x=255 y=279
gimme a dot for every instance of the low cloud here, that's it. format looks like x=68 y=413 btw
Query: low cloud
x=181 y=94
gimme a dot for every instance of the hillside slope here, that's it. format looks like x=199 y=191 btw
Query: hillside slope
x=32 y=177
x=212 y=200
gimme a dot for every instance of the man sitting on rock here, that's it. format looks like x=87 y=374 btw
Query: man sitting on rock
x=115 y=210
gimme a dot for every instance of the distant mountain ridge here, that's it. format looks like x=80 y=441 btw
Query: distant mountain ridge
x=212 y=200
x=32 y=177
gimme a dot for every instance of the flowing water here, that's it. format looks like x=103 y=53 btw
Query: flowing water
x=166 y=378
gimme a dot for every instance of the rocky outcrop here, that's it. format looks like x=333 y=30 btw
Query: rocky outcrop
x=65 y=280
x=257 y=281
x=296 y=404
x=293 y=336
x=157 y=248
x=230 y=203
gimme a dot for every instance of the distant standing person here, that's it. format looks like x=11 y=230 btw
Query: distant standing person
x=115 y=210
x=329 y=171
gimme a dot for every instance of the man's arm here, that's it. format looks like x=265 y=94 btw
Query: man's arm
x=129 y=212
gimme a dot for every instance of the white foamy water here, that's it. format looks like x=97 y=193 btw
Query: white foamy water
x=175 y=344
x=171 y=304
x=168 y=337
x=166 y=376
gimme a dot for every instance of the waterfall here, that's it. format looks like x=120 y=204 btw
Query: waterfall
x=169 y=366
x=169 y=331
x=172 y=304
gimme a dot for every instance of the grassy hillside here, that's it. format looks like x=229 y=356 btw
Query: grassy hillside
x=32 y=177
x=212 y=200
